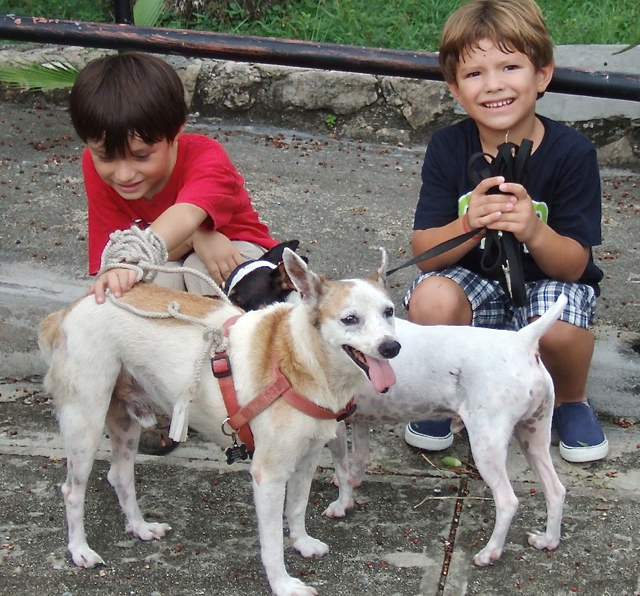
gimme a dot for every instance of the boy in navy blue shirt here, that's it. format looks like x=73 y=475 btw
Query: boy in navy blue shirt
x=497 y=59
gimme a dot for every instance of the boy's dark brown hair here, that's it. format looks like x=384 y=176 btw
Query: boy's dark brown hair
x=127 y=94
x=512 y=25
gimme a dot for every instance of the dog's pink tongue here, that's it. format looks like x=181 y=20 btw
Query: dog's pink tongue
x=380 y=373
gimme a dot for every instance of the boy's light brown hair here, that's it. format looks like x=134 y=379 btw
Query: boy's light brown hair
x=124 y=95
x=512 y=25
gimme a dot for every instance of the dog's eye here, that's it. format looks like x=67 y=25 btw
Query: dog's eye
x=388 y=312
x=350 y=320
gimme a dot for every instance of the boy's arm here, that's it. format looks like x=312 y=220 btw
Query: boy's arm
x=218 y=253
x=179 y=227
x=485 y=209
x=423 y=240
x=543 y=243
x=176 y=226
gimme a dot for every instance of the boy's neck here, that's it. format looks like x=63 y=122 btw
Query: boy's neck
x=491 y=139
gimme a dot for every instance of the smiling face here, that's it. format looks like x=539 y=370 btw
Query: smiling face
x=498 y=90
x=141 y=172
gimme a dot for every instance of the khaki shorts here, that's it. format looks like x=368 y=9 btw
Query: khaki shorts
x=192 y=283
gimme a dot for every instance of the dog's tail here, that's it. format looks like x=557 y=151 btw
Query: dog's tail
x=50 y=334
x=539 y=327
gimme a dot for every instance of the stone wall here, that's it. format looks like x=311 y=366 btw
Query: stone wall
x=357 y=106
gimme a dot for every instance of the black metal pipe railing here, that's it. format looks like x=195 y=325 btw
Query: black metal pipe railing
x=240 y=48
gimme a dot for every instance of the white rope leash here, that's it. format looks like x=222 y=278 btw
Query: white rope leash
x=140 y=250
x=145 y=252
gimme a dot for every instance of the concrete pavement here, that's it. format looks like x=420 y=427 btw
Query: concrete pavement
x=416 y=525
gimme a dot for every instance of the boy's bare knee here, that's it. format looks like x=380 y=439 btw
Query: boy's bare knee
x=565 y=337
x=439 y=301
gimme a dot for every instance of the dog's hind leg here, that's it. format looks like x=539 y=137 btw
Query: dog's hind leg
x=81 y=435
x=298 y=488
x=342 y=475
x=490 y=456
x=124 y=432
x=534 y=436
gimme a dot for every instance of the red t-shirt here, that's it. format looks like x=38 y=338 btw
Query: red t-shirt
x=203 y=176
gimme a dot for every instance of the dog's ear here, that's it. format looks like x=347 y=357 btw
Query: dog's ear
x=305 y=281
x=379 y=275
x=275 y=254
x=281 y=279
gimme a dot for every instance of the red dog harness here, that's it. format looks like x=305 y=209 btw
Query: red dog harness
x=280 y=387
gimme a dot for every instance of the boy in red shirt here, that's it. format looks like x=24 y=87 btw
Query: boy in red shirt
x=140 y=168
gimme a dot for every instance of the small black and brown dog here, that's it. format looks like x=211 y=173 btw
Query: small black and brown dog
x=263 y=281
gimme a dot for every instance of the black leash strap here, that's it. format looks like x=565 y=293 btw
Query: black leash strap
x=437 y=250
x=502 y=256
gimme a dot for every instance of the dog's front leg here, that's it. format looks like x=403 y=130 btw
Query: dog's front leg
x=342 y=475
x=298 y=489
x=269 y=483
x=124 y=432
x=361 y=449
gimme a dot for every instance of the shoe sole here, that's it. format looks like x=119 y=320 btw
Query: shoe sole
x=427 y=443
x=580 y=455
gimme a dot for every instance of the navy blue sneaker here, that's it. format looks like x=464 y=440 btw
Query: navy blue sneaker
x=581 y=437
x=431 y=435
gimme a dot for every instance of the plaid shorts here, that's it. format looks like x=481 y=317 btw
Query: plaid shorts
x=492 y=307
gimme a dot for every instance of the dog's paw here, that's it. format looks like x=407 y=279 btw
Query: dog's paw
x=487 y=556
x=542 y=541
x=148 y=531
x=338 y=509
x=310 y=547
x=85 y=557
x=292 y=587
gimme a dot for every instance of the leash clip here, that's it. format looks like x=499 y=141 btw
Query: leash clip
x=507 y=276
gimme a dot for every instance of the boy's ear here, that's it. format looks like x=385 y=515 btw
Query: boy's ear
x=455 y=91
x=179 y=134
x=544 y=76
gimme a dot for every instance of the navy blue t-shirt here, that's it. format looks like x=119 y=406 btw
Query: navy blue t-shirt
x=563 y=180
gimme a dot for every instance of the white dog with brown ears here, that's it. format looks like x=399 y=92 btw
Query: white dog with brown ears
x=107 y=365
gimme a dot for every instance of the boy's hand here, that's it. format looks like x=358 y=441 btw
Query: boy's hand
x=218 y=254
x=485 y=208
x=521 y=219
x=118 y=281
x=511 y=212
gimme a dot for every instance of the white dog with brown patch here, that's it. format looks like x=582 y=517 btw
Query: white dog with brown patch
x=108 y=364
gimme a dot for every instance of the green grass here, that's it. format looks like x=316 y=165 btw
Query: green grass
x=400 y=24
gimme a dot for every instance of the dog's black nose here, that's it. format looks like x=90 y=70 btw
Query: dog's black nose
x=389 y=348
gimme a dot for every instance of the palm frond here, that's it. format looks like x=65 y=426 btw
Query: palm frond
x=633 y=45
x=38 y=77
x=62 y=75
x=147 y=12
